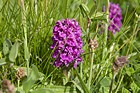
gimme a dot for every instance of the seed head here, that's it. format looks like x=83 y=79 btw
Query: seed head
x=120 y=62
x=20 y=73
x=7 y=86
x=93 y=44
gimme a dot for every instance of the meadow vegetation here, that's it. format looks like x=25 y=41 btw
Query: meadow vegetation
x=110 y=61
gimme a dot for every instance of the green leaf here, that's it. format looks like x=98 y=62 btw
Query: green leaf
x=55 y=89
x=27 y=85
x=93 y=9
x=35 y=73
x=84 y=10
x=2 y=61
x=130 y=71
x=136 y=77
x=6 y=46
x=135 y=88
x=104 y=90
x=43 y=90
x=82 y=83
x=124 y=90
x=13 y=52
x=33 y=77
x=105 y=82
x=78 y=87
x=99 y=16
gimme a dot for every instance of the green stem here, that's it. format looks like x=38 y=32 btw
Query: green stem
x=112 y=81
x=27 y=67
x=25 y=34
x=81 y=68
x=35 y=1
x=24 y=20
x=134 y=35
x=91 y=67
x=18 y=84
x=107 y=18
x=119 y=84
x=65 y=72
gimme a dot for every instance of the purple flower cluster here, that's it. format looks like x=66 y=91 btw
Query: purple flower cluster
x=67 y=43
x=115 y=15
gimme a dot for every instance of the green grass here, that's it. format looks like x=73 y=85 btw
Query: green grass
x=25 y=40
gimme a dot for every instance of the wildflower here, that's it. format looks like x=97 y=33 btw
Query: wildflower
x=7 y=86
x=119 y=63
x=115 y=15
x=20 y=73
x=67 y=43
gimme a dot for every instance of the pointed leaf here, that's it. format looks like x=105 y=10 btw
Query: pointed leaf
x=84 y=10
x=105 y=82
x=28 y=83
x=6 y=46
x=78 y=87
x=13 y=52
x=35 y=73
